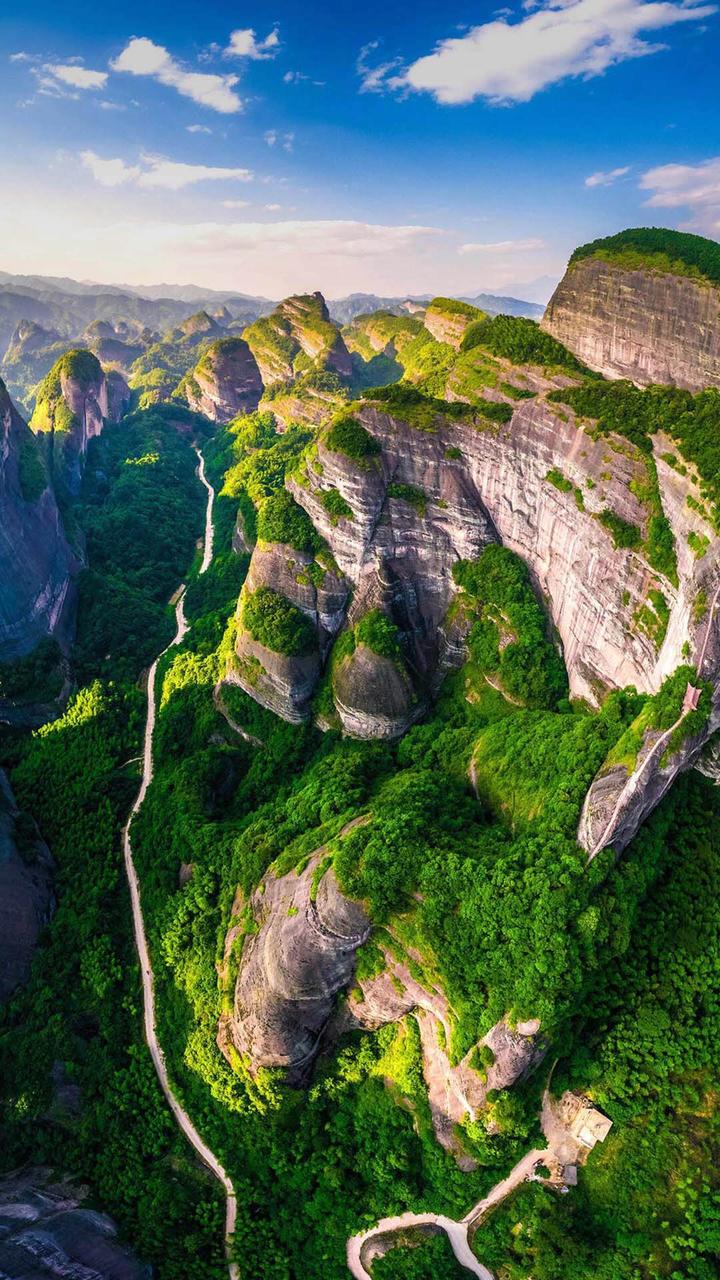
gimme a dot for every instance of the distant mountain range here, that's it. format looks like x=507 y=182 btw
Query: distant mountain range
x=69 y=306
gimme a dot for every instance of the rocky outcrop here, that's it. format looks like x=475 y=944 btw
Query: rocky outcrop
x=37 y=566
x=73 y=403
x=26 y=894
x=45 y=1233
x=292 y=968
x=225 y=382
x=286 y=683
x=301 y=955
x=645 y=325
x=298 y=335
x=447 y=319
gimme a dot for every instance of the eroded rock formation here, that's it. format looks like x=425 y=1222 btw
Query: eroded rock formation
x=298 y=334
x=225 y=382
x=73 y=402
x=37 y=566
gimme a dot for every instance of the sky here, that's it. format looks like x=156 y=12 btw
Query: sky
x=387 y=148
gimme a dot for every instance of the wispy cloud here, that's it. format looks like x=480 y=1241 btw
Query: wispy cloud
x=503 y=246
x=510 y=61
x=197 y=128
x=141 y=57
x=156 y=172
x=382 y=76
x=245 y=44
x=235 y=204
x=606 y=178
x=273 y=138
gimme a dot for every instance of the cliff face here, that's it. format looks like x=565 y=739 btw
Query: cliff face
x=225 y=382
x=436 y=491
x=642 y=325
x=73 y=402
x=36 y=564
x=303 y=955
x=297 y=335
x=46 y=1232
x=26 y=896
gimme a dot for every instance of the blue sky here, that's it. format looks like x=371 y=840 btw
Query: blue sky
x=393 y=148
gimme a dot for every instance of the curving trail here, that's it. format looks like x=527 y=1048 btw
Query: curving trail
x=141 y=943
x=360 y=1247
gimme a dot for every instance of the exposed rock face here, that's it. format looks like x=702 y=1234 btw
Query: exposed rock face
x=648 y=327
x=292 y=969
x=26 y=895
x=73 y=402
x=447 y=320
x=297 y=335
x=225 y=382
x=45 y=1233
x=454 y=1092
x=303 y=954
x=37 y=566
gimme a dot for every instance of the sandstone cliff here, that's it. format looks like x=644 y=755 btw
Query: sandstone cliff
x=37 y=566
x=225 y=382
x=303 y=954
x=73 y=402
x=646 y=325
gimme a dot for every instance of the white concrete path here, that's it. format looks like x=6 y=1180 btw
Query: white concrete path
x=141 y=943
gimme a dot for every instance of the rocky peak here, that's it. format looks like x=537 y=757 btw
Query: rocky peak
x=199 y=323
x=73 y=402
x=225 y=382
x=643 y=305
x=447 y=319
x=296 y=336
x=27 y=339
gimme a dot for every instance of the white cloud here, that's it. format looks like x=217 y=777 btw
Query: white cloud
x=197 y=128
x=272 y=208
x=606 y=178
x=244 y=44
x=22 y=56
x=75 y=76
x=504 y=246
x=235 y=204
x=676 y=186
x=508 y=62
x=141 y=57
x=156 y=172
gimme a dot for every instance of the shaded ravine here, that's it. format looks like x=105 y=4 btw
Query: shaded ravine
x=141 y=943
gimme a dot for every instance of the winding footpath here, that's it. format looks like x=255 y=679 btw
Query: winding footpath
x=361 y=1249
x=141 y=943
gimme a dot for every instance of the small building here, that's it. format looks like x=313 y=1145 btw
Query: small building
x=590 y=1125
x=692 y=698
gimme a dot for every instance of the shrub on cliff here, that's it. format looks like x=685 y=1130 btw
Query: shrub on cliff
x=281 y=519
x=349 y=437
x=278 y=624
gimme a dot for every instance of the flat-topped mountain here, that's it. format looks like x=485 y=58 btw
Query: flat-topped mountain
x=643 y=305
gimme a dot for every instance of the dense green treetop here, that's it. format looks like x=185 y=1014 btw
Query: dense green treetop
x=657 y=249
